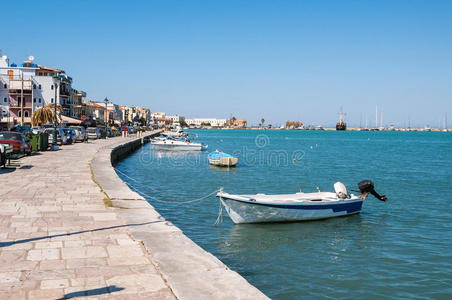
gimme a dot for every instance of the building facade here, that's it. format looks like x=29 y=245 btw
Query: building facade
x=27 y=87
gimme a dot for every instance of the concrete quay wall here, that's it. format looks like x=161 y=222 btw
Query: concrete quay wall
x=190 y=271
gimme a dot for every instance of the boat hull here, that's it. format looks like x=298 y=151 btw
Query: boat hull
x=171 y=147
x=257 y=212
x=224 y=161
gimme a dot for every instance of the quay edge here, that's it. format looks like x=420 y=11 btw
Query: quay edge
x=190 y=271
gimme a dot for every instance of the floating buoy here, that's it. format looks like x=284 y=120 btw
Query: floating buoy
x=312 y=147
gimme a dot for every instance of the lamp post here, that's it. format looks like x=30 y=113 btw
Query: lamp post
x=55 y=85
x=106 y=116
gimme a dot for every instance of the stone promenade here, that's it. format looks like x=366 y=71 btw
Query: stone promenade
x=59 y=240
x=71 y=228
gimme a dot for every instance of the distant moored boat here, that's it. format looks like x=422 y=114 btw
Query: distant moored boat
x=341 y=125
x=218 y=158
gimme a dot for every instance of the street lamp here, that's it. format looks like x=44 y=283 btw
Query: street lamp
x=106 y=116
x=55 y=85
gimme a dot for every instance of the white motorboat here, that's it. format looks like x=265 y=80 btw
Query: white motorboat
x=261 y=208
x=171 y=144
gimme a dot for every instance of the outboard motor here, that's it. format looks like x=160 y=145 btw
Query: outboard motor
x=367 y=187
x=341 y=190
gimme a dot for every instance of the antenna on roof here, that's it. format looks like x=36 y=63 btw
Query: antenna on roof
x=31 y=58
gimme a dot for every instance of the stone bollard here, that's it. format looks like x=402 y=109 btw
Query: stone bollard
x=123 y=134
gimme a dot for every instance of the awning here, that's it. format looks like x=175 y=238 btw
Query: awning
x=71 y=121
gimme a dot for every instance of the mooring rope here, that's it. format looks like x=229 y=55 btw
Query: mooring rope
x=160 y=200
x=148 y=186
x=220 y=214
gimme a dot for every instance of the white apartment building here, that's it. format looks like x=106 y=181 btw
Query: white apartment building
x=212 y=121
x=27 y=87
x=176 y=118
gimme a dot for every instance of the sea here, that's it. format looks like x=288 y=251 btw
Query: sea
x=399 y=249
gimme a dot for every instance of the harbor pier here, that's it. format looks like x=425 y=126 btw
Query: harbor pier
x=70 y=227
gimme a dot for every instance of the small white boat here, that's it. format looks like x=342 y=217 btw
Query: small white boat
x=171 y=144
x=218 y=158
x=261 y=208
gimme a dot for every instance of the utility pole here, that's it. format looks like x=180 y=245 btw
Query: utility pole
x=106 y=117
x=22 y=100
x=55 y=79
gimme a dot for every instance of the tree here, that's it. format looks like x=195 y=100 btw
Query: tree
x=262 y=121
x=183 y=123
x=46 y=114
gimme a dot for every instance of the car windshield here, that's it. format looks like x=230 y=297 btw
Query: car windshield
x=10 y=136
x=91 y=130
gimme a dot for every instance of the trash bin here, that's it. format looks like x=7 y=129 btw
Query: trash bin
x=34 y=142
x=43 y=141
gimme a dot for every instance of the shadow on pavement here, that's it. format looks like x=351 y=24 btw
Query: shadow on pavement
x=93 y=292
x=7 y=244
x=6 y=170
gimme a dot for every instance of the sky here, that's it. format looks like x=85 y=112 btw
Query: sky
x=277 y=60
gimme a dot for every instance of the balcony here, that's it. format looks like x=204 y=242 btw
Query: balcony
x=20 y=84
x=13 y=103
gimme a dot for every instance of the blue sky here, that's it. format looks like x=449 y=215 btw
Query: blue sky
x=280 y=60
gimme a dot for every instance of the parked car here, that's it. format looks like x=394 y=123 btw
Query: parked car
x=20 y=128
x=5 y=149
x=93 y=133
x=81 y=136
x=61 y=137
x=17 y=140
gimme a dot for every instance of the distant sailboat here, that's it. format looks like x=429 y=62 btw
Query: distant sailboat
x=341 y=125
x=367 y=125
x=381 y=122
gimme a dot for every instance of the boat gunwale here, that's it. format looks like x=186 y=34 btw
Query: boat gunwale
x=302 y=204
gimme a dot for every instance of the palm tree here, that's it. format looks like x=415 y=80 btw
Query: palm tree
x=262 y=121
x=46 y=115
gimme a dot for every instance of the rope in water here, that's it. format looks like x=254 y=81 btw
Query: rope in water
x=160 y=200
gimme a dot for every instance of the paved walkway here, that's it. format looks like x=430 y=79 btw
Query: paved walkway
x=59 y=240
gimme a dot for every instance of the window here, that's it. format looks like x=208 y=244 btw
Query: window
x=5 y=100
x=39 y=86
x=34 y=86
x=51 y=87
x=26 y=114
x=39 y=100
x=5 y=86
x=19 y=114
x=34 y=100
x=51 y=100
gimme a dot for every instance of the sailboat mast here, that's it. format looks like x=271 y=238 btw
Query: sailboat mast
x=376 y=116
x=445 y=122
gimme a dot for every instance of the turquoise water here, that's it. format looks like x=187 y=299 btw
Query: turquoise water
x=398 y=249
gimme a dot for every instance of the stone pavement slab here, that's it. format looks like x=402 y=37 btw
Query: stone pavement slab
x=58 y=239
